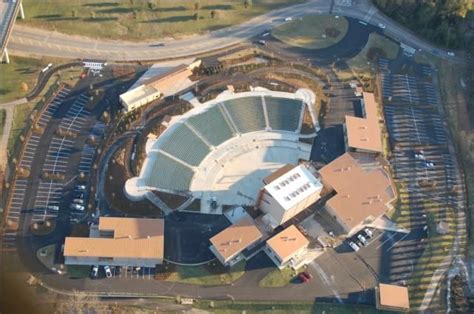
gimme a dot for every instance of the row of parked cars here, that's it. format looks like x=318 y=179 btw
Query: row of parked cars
x=362 y=238
x=79 y=198
x=95 y=271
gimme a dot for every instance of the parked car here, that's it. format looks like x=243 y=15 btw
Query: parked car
x=81 y=187
x=451 y=54
x=368 y=233
x=303 y=278
x=53 y=208
x=78 y=201
x=108 y=272
x=354 y=246
x=94 y=271
x=77 y=207
x=429 y=164
x=79 y=194
x=262 y=42
x=287 y=19
x=362 y=239
x=307 y=275
x=419 y=155
x=382 y=26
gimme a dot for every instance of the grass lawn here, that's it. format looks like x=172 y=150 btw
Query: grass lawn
x=138 y=19
x=22 y=112
x=238 y=307
x=19 y=77
x=3 y=116
x=201 y=275
x=312 y=31
x=279 y=278
x=360 y=65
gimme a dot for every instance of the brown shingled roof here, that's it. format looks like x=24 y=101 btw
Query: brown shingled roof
x=236 y=238
x=393 y=296
x=133 y=238
x=360 y=193
x=365 y=133
x=287 y=242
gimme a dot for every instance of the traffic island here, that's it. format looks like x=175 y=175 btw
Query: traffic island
x=43 y=228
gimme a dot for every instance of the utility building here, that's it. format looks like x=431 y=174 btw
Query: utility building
x=288 y=191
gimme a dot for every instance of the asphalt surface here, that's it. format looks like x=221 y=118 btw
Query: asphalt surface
x=31 y=41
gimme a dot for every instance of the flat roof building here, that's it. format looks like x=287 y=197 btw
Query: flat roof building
x=287 y=247
x=120 y=242
x=392 y=298
x=228 y=244
x=364 y=134
x=288 y=191
x=362 y=195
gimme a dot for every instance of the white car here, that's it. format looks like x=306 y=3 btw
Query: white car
x=419 y=155
x=94 y=271
x=368 y=233
x=451 y=54
x=354 y=246
x=77 y=207
x=53 y=207
x=362 y=239
x=287 y=19
x=78 y=201
x=81 y=187
x=108 y=272
x=429 y=164
x=382 y=26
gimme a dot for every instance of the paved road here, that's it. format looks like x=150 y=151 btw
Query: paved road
x=32 y=41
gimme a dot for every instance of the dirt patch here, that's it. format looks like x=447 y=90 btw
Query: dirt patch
x=114 y=183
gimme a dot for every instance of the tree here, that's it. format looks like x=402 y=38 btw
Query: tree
x=92 y=15
x=73 y=13
x=196 y=6
x=24 y=87
x=196 y=16
x=151 y=5
x=248 y=3
x=213 y=14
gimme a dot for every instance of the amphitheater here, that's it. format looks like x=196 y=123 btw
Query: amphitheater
x=222 y=149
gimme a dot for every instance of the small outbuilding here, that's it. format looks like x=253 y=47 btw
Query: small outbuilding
x=392 y=298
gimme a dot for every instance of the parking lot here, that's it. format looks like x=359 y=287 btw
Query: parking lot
x=52 y=107
x=47 y=200
x=29 y=152
x=16 y=206
x=422 y=162
x=58 y=154
x=76 y=116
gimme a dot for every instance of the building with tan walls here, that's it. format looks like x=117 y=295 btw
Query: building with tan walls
x=119 y=242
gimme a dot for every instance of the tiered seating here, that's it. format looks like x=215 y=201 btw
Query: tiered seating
x=283 y=113
x=184 y=144
x=169 y=174
x=247 y=113
x=212 y=125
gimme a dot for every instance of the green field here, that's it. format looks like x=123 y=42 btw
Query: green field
x=312 y=31
x=303 y=307
x=139 y=19
x=278 y=278
x=19 y=77
x=201 y=275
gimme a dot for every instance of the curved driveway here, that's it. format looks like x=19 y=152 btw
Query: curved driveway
x=32 y=41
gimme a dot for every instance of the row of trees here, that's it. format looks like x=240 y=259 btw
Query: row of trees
x=444 y=22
